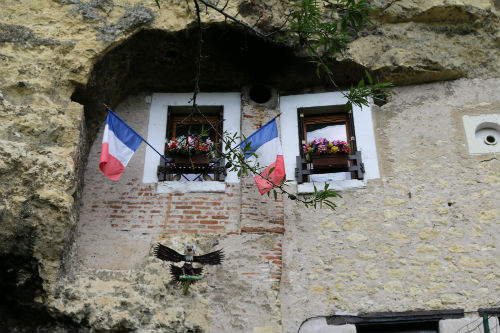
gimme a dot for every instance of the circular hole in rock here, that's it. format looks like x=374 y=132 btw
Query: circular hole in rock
x=490 y=140
x=260 y=94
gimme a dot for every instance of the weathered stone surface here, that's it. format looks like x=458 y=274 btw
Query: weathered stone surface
x=430 y=40
x=431 y=249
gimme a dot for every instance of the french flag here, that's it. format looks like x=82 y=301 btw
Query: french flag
x=265 y=143
x=119 y=143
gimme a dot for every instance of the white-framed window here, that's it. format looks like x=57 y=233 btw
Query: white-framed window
x=291 y=106
x=230 y=103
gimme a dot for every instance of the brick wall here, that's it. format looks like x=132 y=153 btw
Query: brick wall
x=139 y=207
x=203 y=213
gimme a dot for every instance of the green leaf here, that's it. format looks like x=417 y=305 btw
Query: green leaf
x=369 y=77
x=158 y=3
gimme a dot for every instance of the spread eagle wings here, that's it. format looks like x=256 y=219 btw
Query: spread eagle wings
x=165 y=253
x=212 y=258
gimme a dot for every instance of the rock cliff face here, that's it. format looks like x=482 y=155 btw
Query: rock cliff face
x=61 y=59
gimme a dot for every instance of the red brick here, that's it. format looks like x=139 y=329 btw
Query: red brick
x=220 y=217
x=208 y=222
x=194 y=212
x=202 y=208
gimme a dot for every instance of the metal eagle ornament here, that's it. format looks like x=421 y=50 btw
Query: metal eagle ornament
x=187 y=274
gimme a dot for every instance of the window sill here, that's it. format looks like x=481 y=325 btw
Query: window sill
x=338 y=185
x=191 y=187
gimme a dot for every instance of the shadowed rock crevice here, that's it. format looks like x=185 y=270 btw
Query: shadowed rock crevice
x=21 y=307
x=154 y=60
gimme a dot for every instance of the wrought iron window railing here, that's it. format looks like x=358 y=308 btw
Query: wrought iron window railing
x=304 y=168
x=170 y=171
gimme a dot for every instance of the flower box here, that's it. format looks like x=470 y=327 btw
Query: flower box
x=326 y=155
x=190 y=151
x=330 y=161
x=197 y=160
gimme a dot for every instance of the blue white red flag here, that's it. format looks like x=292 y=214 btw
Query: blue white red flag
x=265 y=143
x=119 y=143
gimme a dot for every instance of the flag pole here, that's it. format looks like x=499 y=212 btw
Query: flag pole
x=114 y=114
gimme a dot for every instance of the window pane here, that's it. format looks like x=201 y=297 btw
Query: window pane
x=196 y=129
x=328 y=131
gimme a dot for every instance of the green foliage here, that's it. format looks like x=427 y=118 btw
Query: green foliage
x=313 y=28
x=321 y=197
x=325 y=36
x=360 y=94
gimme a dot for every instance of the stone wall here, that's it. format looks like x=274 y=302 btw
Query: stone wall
x=419 y=238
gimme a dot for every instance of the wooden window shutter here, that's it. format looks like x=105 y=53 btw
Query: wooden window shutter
x=302 y=136
x=169 y=123
x=350 y=118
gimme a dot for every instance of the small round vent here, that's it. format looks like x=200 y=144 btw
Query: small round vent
x=260 y=93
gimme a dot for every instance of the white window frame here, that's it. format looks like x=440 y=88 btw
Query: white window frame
x=157 y=128
x=363 y=127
